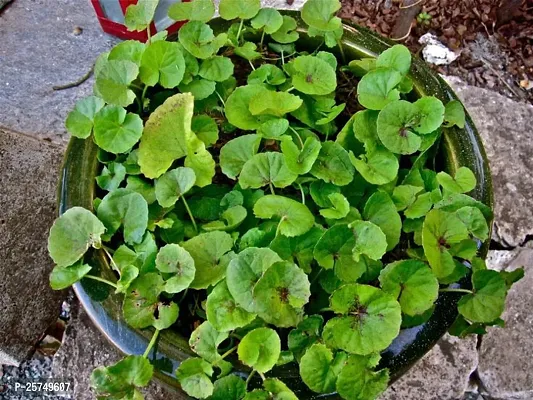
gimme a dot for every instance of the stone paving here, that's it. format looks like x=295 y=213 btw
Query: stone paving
x=38 y=49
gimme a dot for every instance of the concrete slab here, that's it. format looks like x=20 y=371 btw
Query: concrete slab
x=505 y=364
x=442 y=374
x=38 y=50
x=29 y=174
x=506 y=128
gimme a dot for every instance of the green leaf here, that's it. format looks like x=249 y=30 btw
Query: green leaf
x=229 y=219
x=194 y=377
x=237 y=107
x=245 y=270
x=129 y=50
x=200 y=160
x=287 y=33
x=127 y=275
x=365 y=128
x=205 y=128
x=395 y=124
x=111 y=177
x=300 y=161
x=141 y=186
x=454 y=114
x=260 y=349
x=267 y=19
x=205 y=340
x=440 y=231
x=333 y=164
x=306 y=334
x=257 y=394
x=174 y=259
x=278 y=390
x=487 y=301
x=370 y=240
x=455 y=201
x=357 y=380
x=80 y=121
x=312 y=75
x=266 y=169
x=63 y=277
x=280 y=294
x=378 y=166
x=397 y=57
x=274 y=103
x=463 y=182
x=377 y=88
x=474 y=221
x=139 y=16
x=162 y=63
x=295 y=217
x=404 y=196
x=197 y=10
x=121 y=380
x=199 y=88
x=141 y=300
x=420 y=207
x=235 y=153
x=320 y=192
x=431 y=111
x=230 y=387
x=174 y=184
x=320 y=14
x=364 y=270
x=510 y=277
x=167 y=315
x=165 y=135
x=340 y=208
x=198 y=39
x=113 y=80
x=124 y=207
x=267 y=73
x=371 y=319
x=335 y=247
x=216 y=68
x=298 y=249
x=319 y=370
x=223 y=312
x=72 y=234
x=381 y=211
x=412 y=283
x=115 y=130
x=274 y=129
x=360 y=67
x=208 y=251
x=243 y=9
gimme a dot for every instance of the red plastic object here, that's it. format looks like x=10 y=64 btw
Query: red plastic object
x=111 y=13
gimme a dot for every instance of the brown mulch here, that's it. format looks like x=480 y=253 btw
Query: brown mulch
x=494 y=37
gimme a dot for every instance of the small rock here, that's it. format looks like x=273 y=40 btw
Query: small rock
x=77 y=31
x=434 y=52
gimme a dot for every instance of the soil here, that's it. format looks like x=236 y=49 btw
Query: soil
x=494 y=37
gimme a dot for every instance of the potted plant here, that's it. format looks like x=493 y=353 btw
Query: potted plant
x=272 y=206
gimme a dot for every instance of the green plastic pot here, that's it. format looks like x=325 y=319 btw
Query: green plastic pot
x=460 y=147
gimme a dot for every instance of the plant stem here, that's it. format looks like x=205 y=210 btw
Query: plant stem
x=262 y=37
x=251 y=65
x=451 y=290
x=271 y=188
x=261 y=375
x=183 y=295
x=278 y=229
x=190 y=213
x=297 y=135
x=342 y=51
x=97 y=278
x=289 y=89
x=151 y=344
x=115 y=267
x=144 y=94
x=250 y=377
x=239 y=31
x=282 y=58
x=317 y=275
x=302 y=192
x=133 y=85
x=325 y=309
x=221 y=99
x=227 y=353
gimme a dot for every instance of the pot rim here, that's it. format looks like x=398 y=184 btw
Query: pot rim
x=461 y=146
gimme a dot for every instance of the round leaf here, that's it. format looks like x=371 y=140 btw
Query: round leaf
x=80 y=121
x=126 y=208
x=63 y=277
x=173 y=184
x=237 y=107
x=267 y=19
x=162 y=63
x=312 y=75
x=216 y=68
x=371 y=319
x=274 y=103
x=235 y=153
x=243 y=9
x=488 y=300
x=205 y=340
x=245 y=270
x=72 y=234
x=287 y=32
x=266 y=169
x=295 y=217
x=378 y=167
x=222 y=310
x=281 y=293
x=194 y=377
x=369 y=240
x=113 y=80
x=319 y=370
x=454 y=114
x=260 y=349
x=474 y=221
x=357 y=380
x=333 y=164
x=340 y=209
x=139 y=16
x=300 y=161
x=398 y=57
x=464 y=181
x=412 y=283
x=395 y=124
x=115 y=130
x=173 y=259
x=377 y=88
x=111 y=177
x=167 y=315
x=141 y=300
x=381 y=211
x=197 y=10
x=431 y=112
x=230 y=387
x=198 y=39
x=320 y=14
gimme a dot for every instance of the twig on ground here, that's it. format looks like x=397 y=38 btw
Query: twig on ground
x=75 y=83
